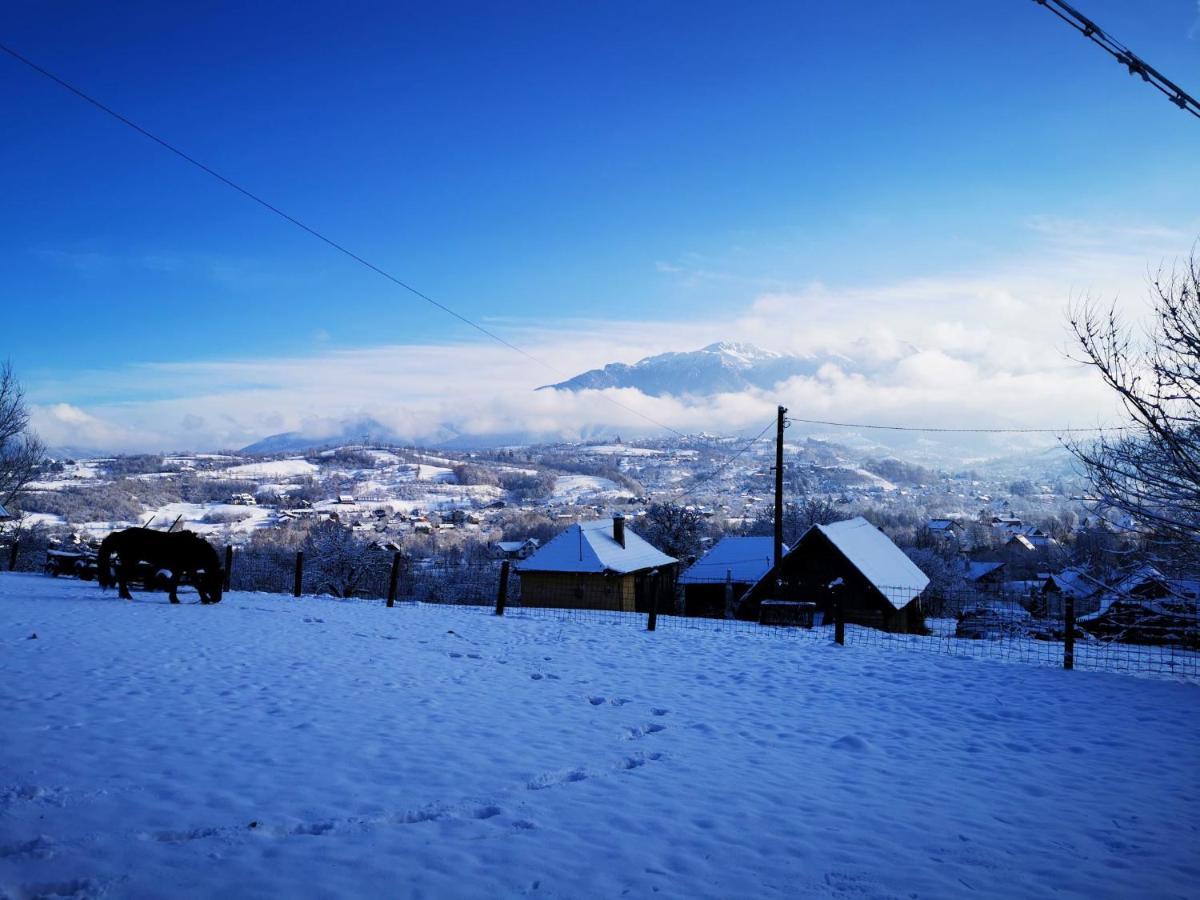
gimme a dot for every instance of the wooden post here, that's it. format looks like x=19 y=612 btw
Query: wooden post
x=13 y=552
x=652 y=585
x=729 y=593
x=839 y=619
x=778 y=548
x=298 y=583
x=228 y=565
x=395 y=577
x=502 y=589
x=1069 y=633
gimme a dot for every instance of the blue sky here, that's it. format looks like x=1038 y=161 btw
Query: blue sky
x=535 y=164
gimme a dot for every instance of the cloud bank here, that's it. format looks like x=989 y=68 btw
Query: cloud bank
x=982 y=350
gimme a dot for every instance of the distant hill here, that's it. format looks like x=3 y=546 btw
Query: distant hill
x=358 y=431
x=720 y=368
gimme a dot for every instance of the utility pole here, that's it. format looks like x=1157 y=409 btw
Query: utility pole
x=780 y=425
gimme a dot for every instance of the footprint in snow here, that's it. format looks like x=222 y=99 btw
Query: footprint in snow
x=852 y=743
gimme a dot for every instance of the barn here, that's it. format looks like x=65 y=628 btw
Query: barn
x=729 y=569
x=597 y=565
x=876 y=584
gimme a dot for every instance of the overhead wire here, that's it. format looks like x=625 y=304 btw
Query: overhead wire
x=341 y=248
x=1122 y=54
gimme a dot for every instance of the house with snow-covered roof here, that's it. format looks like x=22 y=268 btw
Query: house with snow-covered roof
x=854 y=563
x=724 y=573
x=597 y=565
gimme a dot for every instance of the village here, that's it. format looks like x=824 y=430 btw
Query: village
x=685 y=525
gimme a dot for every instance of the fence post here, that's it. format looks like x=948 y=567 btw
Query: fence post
x=394 y=578
x=729 y=593
x=298 y=583
x=1069 y=633
x=502 y=590
x=12 y=555
x=839 y=620
x=228 y=565
x=652 y=621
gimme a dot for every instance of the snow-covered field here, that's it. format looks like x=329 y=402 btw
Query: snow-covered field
x=574 y=488
x=272 y=747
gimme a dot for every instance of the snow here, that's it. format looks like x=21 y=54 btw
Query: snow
x=312 y=748
x=591 y=547
x=279 y=468
x=882 y=562
x=572 y=488
x=622 y=450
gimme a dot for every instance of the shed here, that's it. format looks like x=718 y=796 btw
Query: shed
x=596 y=565
x=1145 y=607
x=878 y=585
x=733 y=562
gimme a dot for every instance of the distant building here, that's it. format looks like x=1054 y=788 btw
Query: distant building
x=876 y=583
x=5 y=516
x=515 y=549
x=597 y=565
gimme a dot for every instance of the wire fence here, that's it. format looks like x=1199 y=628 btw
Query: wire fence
x=1151 y=629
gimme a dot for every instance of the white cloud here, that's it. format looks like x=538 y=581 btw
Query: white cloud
x=979 y=350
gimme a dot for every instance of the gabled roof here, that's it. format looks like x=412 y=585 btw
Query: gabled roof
x=590 y=547
x=976 y=569
x=879 y=560
x=1074 y=581
x=747 y=559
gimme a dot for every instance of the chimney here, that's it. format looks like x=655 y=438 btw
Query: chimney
x=619 y=529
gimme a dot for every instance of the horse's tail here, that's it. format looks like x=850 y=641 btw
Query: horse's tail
x=104 y=573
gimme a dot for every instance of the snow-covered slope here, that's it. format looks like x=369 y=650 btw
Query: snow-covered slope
x=271 y=747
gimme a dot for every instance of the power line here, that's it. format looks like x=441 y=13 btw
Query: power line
x=228 y=182
x=1122 y=54
x=956 y=430
x=704 y=479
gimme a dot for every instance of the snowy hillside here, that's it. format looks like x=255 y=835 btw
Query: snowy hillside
x=273 y=747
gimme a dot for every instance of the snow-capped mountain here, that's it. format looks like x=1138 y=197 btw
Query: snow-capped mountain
x=724 y=367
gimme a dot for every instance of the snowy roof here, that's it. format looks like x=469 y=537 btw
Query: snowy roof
x=1074 y=581
x=747 y=558
x=879 y=560
x=591 y=547
x=4 y=513
x=976 y=569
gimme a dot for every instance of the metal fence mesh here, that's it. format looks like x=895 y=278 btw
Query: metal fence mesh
x=1149 y=633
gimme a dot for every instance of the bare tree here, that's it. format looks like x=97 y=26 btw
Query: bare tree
x=675 y=530
x=1151 y=470
x=20 y=450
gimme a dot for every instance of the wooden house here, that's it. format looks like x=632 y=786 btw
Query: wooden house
x=597 y=565
x=875 y=583
x=712 y=584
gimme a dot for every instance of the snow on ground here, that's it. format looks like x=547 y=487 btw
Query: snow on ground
x=571 y=488
x=622 y=450
x=276 y=747
x=42 y=520
x=279 y=468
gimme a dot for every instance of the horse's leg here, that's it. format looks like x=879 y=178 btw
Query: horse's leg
x=174 y=584
x=123 y=581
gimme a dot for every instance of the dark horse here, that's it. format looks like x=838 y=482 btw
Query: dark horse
x=180 y=552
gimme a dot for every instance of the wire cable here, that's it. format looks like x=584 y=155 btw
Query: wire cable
x=958 y=430
x=1122 y=54
x=228 y=182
